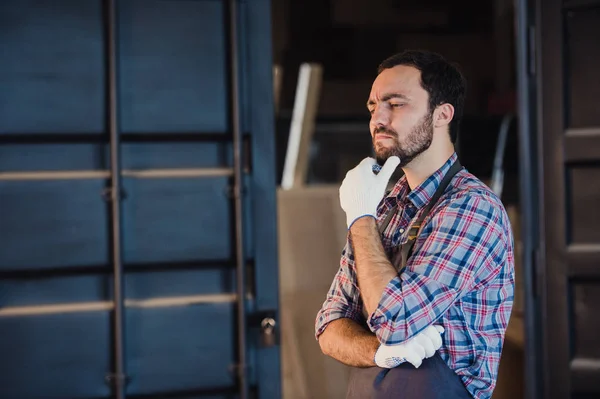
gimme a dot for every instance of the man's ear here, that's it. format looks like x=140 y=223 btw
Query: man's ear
x=443 y=115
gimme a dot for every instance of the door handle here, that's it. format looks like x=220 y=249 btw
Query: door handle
x=267 y=332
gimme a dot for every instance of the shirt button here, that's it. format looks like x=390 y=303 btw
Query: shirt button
x=401 y=231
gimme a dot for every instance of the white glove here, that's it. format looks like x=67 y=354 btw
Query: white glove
x=424 y=345
x=362 y=189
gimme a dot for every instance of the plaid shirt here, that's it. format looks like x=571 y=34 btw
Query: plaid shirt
x=460 y=276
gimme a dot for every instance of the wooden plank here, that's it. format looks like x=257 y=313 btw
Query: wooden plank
x=303 y=126
x=582 y=145
x=312 y=233
x=572 y=5
x=584 y=374
x=277 y=85
x=584 y=261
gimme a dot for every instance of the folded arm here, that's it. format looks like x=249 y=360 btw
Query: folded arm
x=340 y=326
x=461 y=246
x=348 y=342
x=342 y=332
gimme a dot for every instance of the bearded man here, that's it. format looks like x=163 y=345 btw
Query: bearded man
x=421 y=301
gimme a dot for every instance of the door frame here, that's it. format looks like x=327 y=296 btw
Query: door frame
x=541 y=99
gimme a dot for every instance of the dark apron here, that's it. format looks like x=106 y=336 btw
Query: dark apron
x=433 y=379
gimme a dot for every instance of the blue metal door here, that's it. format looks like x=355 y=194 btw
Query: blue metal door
x=138 y=251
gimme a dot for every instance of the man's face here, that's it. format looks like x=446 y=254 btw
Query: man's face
x=401 y=123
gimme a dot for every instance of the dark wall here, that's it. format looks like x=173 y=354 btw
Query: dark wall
x=349 y=39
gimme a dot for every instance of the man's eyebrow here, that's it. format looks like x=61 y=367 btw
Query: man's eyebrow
x=388 y=97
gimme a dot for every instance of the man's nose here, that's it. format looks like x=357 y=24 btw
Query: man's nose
x=380 y=117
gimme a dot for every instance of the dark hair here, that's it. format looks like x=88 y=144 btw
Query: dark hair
x=441 y=79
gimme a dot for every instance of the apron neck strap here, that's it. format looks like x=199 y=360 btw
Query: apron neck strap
x=416 y=226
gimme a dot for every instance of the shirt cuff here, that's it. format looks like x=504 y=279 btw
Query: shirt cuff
x=389 y=306
x=330 y=316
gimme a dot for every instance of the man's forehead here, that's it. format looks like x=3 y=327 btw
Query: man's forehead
x=400 y=79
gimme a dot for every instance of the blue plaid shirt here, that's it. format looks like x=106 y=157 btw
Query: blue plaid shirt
x=460 y=276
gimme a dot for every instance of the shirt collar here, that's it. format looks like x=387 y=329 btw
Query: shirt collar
x=423 y=193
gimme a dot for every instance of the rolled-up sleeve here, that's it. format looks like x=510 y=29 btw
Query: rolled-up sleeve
x=463 y=245
x=343 y=298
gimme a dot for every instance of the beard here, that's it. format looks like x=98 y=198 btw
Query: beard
x=417 y=141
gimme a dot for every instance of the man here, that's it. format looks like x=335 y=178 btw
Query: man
x=432 y=258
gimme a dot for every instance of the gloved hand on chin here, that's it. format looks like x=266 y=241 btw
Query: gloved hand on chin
x=362 y=189
x=422 y=346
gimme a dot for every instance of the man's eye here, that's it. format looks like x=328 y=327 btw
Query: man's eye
x=396 y=105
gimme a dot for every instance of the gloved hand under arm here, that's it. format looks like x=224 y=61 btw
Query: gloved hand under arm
x=362 y=189
x=424 y=345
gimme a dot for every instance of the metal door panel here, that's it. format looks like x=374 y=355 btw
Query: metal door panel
x=261 y=198
x=172 y=66
x=182 y=348
x=249 y=201
x=175 y=155
x=257 y=40
x=51 y=60
x=55 y=356
x=176 y=220
x=57 y=223
x=173 y=137
x=15 y=292
x=52 y=157
x=195 y=280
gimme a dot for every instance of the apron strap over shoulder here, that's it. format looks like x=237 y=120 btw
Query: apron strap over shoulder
x=413 y=233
